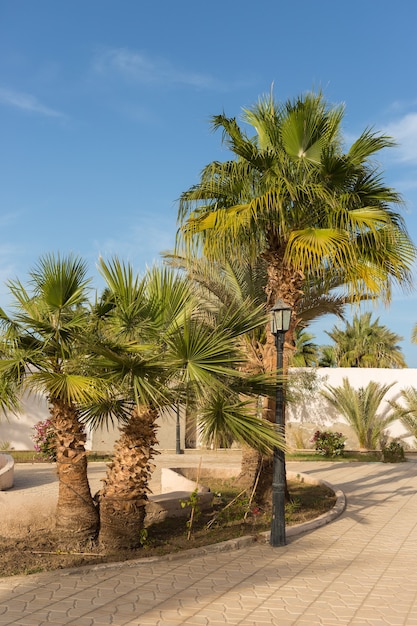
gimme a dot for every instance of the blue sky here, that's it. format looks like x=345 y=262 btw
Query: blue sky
x=104 y=110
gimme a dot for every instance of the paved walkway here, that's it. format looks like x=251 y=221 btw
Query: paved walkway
x=361 y=569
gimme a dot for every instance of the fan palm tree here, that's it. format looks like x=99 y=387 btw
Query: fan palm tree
x=294 y=197
x=360 y=408
x=41 y=351
x=366 y=343
x=159 y=349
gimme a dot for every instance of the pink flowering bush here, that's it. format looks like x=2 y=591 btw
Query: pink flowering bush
x=44 y=440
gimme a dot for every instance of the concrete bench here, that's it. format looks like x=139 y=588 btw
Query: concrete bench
x=176 y=489
x=6 y=471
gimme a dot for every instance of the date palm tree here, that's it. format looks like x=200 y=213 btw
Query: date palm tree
x=229 y=284
x=361 y=409
x=41 y=351
x=159 y=348
x=327 y=356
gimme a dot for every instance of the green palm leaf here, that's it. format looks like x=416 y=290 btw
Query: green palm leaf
x=223 y=420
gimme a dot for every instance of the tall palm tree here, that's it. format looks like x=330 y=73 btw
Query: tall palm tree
x=366 y=343
x=41 y=351
x=159 y=349
x=360 y=408
x=292 y=195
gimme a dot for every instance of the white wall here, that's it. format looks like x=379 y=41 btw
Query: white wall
x=314 y=410
x=102 y=440
x=18 y=430
x=311 y=412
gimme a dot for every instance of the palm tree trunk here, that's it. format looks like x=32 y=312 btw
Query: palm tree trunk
x=286 y=284
x=257 y=469
x=76 y=513
x=122 y=501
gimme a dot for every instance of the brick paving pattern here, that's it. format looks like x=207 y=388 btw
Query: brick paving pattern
x=360 y=569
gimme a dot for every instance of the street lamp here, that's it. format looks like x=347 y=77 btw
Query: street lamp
x=280 y=323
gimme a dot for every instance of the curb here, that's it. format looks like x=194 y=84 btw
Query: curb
x=232 y=544
x=225 y=546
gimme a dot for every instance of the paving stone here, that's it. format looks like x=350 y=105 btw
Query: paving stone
x=358 y=570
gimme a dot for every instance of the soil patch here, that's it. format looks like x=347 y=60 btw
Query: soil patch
x=40 y=549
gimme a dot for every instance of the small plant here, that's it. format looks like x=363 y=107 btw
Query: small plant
x=195 y=510
x=235 y=510
x=194 y=504
x=291 y=508
x=394 y=453
x=144 y=541
x=329 y=443
x=5 y=445
x=45 y=440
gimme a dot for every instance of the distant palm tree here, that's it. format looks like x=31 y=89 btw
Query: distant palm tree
x=306 y=352
x=360 y=408
x=327 y=356
x=366 y=343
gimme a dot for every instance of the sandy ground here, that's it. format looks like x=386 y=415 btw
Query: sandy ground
x=29 y=505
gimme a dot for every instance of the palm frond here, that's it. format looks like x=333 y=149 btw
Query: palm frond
x=223 y=420
x=71 y=388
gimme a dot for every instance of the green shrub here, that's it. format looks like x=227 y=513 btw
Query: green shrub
x=329 y=443
x=394 y=453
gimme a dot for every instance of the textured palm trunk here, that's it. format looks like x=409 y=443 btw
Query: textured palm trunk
x=76 y=513
x=122 y=501
x=284 y=283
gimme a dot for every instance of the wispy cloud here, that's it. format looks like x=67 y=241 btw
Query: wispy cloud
x=26 y=102
x=142 y=244
x=404 y=131
x=139 y=67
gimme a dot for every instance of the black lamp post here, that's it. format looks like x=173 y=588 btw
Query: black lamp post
x=280 y=323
